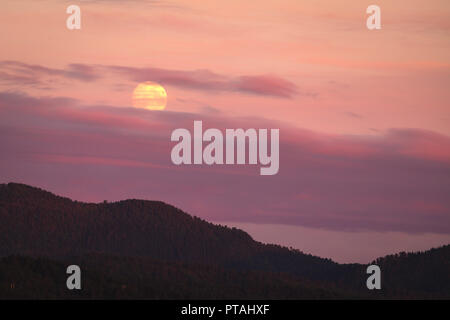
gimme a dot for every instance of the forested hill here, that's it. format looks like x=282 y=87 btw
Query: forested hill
x=38 y=223
x=417 y=274
x=149 y=249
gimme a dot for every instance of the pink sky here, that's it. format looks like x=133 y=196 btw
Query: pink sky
x=364 y=115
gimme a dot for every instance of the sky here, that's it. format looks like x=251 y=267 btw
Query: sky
x=364 y=115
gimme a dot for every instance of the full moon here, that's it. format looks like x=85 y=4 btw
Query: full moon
x=149 y=95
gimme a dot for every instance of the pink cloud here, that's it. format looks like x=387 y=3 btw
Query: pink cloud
x=266 y=85
x=390 y=182
x=77 y=160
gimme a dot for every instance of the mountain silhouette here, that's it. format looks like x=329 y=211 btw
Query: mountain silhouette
x=149 y=249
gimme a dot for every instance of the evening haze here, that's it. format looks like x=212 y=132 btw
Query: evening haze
x=363 y=115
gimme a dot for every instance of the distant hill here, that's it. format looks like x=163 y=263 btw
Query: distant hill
x=189 y=257
x=417 y=274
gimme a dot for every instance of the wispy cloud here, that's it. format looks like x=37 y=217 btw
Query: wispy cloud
x=14 y=72
x=353 y=114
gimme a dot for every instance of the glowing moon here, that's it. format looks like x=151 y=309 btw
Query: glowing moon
x=149 y=95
